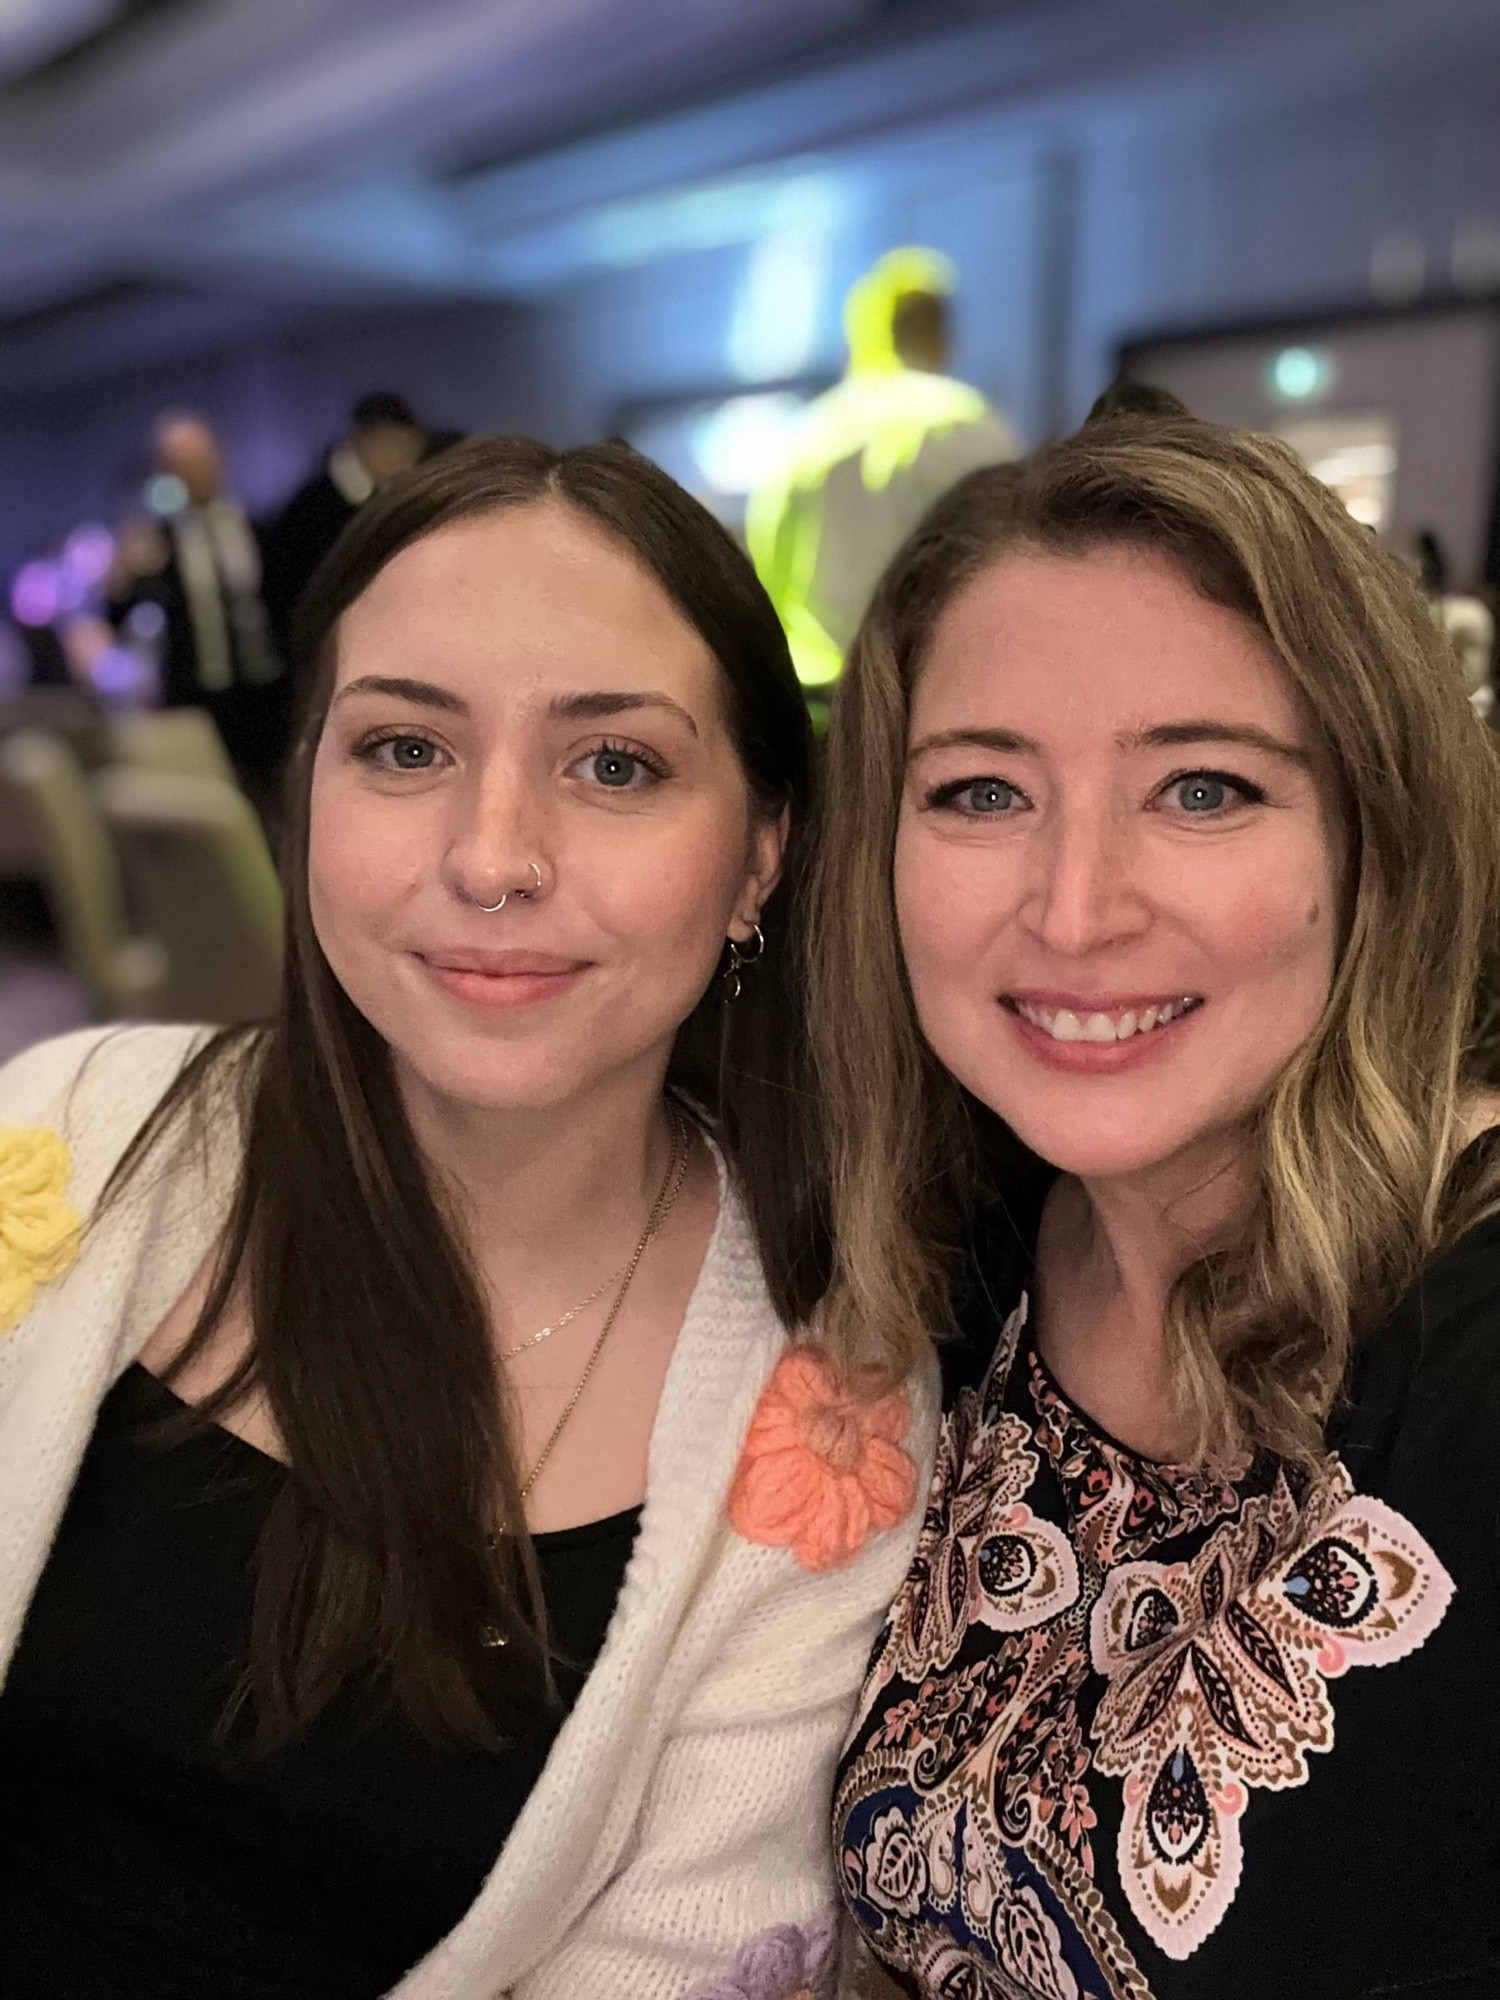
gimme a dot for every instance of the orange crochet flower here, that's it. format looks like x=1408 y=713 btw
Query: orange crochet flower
x=820 y=1468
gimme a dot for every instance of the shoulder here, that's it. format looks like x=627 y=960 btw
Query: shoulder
x=814 y=1465
x=94 y=1090
x=970 y=439
x=1430 y=1370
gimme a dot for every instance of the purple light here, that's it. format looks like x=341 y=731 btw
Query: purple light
x=146 y=621
x=88 y=553
x=36 y=594
x=116 y=671
x=72 y=591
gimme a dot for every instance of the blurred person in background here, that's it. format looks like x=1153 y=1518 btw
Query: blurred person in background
x=868 y=460
x=384 y=438
x=204 y=573
x=441 y=440
x=1467 y=619
x=430 y=1564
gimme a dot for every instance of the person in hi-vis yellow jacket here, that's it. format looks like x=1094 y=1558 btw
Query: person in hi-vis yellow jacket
x=868 y=459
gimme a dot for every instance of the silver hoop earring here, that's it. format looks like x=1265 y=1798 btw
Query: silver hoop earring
x=741 y=957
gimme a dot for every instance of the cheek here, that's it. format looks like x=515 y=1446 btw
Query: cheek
x=949 y=901
x=361 y=862
x=1273 y=933
x=670 y=900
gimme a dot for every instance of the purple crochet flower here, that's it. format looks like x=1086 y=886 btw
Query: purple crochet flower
x=780 y=1964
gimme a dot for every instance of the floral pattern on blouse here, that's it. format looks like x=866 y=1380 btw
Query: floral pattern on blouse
x=1175 y=1640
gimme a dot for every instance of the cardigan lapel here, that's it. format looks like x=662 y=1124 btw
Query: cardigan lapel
x=572 y=1832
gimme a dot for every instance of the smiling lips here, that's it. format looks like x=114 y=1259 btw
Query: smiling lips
x=502 y=978
x=1101 y=1025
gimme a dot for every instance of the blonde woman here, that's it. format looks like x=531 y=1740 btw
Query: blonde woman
x=1158 y=889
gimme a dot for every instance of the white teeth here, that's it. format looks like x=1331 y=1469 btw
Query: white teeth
x=1066 y=1026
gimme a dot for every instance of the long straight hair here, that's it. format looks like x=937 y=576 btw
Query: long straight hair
x=1354 y=1143
x=369 y=1339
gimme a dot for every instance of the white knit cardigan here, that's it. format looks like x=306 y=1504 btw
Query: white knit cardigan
x=682 y=1813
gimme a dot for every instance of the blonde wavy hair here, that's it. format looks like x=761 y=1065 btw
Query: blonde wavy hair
x=1362 y=1170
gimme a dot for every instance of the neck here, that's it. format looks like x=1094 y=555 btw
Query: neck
x=1112 y=1249
x=548 y=1196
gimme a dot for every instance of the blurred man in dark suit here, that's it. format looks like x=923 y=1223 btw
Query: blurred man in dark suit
x=218 y=652
x=384 y=438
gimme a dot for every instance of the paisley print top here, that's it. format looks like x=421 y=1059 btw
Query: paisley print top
x=1137 y=1732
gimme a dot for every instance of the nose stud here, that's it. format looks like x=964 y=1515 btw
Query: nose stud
x=521 y=895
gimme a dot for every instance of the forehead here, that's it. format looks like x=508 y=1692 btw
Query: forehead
x=529 y=596
x=1110 y=640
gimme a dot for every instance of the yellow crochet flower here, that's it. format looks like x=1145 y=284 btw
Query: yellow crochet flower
x=39 y=1227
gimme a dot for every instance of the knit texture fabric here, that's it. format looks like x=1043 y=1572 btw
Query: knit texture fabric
x=683 y=1813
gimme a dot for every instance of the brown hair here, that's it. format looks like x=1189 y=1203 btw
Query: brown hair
x=370 y=1342
x=1356 y=1138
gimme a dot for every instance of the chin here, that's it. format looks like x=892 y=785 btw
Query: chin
x=1093 y=1148
x=491 y=1078
x=1088 y=1159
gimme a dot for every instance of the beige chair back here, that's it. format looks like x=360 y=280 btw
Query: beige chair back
x=201 y=881
x=186 y=740
x=74 y=714
x=44 y=782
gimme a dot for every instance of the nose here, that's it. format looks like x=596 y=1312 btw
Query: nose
x=498 y=842
x=1084 y=896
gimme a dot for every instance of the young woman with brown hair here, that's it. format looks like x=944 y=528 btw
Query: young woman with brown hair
x=425 y=1567
x=1157 y=902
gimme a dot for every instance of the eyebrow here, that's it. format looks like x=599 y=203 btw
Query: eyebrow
x=1011 y=743
x=591 y=705
x=1006 y=740
x=595 y=707
x=424 y=694
x=1205 y=731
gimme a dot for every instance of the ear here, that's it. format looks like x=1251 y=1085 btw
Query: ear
x=768 y=838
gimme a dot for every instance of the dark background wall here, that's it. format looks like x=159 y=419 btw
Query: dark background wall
x=1096 y=172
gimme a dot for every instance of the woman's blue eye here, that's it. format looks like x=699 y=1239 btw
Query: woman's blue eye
x=989 y=795
x=1201 y=794
x=614 y=768
x=409 y=753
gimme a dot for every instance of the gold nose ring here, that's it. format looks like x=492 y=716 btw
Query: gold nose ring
x=521 y=895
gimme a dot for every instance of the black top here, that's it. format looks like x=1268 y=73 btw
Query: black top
x=253 y=713
x=1137 y=1733
x=294 y=545
x=140 y=1862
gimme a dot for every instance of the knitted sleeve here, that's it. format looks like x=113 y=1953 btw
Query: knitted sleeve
x=727 y=1891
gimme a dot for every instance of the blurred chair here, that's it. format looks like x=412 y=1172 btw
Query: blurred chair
x=73 y=713
x=45 y=790
x=70 y=713
x=201 y=882
x=186 y=740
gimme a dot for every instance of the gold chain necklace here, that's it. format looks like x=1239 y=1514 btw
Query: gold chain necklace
x=665 y=1201
x=522 y=1346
